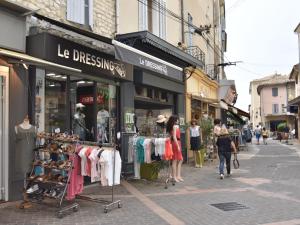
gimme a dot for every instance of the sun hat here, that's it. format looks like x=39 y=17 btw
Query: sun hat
x=224 y=131
x=80 y=105
x=161 y=119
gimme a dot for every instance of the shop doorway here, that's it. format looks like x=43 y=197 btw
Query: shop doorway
x=4 y=72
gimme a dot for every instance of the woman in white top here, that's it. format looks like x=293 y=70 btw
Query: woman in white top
x=195 y=142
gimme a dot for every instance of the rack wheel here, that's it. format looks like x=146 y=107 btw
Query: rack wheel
x=119 y=205
x=75 y=209
x=60 y=215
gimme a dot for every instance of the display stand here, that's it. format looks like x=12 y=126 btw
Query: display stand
x=39 y=187
x=57 y=189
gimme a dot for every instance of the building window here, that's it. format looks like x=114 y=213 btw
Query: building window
x=190 y=31
x=274 y=92
x=283 y=108
x=80 y=11
x=275 y=109
x=152 y=17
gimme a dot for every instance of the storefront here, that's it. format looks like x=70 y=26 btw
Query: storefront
x=294 y=106
x=83 y=102
x=158 y=87
x=201 y=97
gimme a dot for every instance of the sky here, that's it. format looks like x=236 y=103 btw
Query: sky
x=260 y=33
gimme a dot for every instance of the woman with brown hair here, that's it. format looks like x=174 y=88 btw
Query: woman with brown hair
x=195 y=142
x=174 y=132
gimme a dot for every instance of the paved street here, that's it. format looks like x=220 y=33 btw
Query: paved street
x=265 y=188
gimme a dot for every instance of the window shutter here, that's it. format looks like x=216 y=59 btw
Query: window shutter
x=156 y=18
x=91 y=11
x=162 y=19
x=75 y=11
x=143 y=15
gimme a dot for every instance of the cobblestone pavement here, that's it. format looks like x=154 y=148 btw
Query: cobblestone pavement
x=267 y=185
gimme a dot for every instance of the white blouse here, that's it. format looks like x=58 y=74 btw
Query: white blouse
x=195 y=131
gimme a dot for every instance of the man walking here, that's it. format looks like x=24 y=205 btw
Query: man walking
x=257 y=133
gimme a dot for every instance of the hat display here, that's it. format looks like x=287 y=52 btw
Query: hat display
x=161 y=119
x=79 y=105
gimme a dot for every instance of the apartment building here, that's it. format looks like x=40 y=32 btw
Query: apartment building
x=274 y=96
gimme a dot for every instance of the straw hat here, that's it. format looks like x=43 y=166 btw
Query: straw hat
x=79 y=105
x=161 y=119
x=224 y=131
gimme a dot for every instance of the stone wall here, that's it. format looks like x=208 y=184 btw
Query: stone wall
x=104 y=13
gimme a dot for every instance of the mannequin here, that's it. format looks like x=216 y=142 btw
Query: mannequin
x=79 y=122
x=102 y=125
x=25 y=143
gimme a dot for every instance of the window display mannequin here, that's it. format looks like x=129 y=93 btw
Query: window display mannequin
x=25 y=143
x=79 y=122
x=102 y=125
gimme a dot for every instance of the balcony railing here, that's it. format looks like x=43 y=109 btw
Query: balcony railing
x=197 y=53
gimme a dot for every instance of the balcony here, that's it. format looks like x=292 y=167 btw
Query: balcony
x=197 y=53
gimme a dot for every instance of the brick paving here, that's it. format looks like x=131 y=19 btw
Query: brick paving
x=267 y=183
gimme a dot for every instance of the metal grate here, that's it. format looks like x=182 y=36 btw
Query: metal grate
x=229 y=206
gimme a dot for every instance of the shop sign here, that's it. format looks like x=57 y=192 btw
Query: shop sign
x=149 y=63
x=88 y=99
x=71 y=54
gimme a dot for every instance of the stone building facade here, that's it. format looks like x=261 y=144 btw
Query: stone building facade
x=104 y=14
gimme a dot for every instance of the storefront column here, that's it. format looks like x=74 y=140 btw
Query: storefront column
x=127 y=92
x=19 y=106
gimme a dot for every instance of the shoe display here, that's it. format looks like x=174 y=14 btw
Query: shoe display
x=32 y=189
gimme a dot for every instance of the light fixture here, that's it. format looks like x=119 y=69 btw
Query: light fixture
x=52 y=85
x=50 y=74
x=64 y=77
x=57 y=76
x=81 y=82
x=25 y=66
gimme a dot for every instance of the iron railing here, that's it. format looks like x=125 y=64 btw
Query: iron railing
x=197 y=53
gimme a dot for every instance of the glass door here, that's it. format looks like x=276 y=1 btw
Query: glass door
x=4 y=133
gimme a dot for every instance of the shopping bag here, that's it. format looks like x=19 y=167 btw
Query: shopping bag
x=236 y=163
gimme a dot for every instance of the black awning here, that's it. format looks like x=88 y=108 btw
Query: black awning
x=149 y=43
x=146 y=61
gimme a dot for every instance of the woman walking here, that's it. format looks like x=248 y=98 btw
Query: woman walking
x=195 y=142
x=225 y=144
x=265 y=135
x=174 y=132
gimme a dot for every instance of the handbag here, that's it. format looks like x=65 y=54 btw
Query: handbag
x=236 y=163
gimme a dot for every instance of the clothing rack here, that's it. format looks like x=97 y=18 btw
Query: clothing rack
x=108 y=205
x=168 y=179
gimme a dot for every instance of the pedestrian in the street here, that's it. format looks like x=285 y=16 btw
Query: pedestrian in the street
x=195 y=142
x=257 y=134
x=225 y=147
x=174 y=132
x=265 y=135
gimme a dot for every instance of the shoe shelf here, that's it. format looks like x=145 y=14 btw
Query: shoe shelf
x=50 y=174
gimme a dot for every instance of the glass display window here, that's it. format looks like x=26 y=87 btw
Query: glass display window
x=66 y=103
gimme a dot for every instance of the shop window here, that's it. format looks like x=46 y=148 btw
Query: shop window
x=78 y=106
x=157 y=95
x=164 y=96
x=80 y=11
x=55 y=103
x=149 y=93
x=139 y=91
